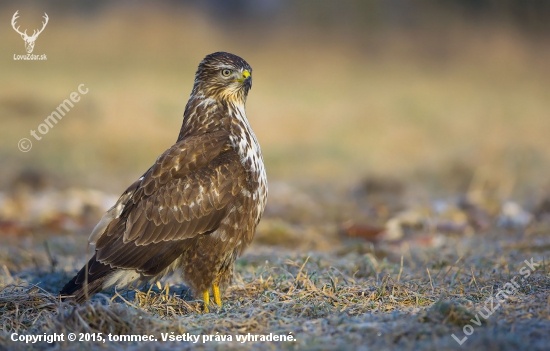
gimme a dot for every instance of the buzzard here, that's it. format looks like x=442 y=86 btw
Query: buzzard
x=197 y=207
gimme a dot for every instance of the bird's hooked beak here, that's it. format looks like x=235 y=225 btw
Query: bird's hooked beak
x=246 y=79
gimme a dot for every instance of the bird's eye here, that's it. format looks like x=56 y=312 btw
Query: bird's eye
x=226 y=72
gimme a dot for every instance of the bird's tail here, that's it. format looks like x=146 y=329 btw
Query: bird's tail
x=88 y=281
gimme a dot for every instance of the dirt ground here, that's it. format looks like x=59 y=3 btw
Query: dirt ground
x=329 y=284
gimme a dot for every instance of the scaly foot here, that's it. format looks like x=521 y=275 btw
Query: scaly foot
x=206 y=299
x=217 y=295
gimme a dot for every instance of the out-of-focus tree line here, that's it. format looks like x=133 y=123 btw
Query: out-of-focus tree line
x=528 y=15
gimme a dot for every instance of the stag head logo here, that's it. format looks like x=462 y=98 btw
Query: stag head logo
x=29 y=40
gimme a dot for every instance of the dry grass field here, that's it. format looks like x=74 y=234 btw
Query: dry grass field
x=408 y=174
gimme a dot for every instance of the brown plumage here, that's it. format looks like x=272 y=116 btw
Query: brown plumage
x=197 y=207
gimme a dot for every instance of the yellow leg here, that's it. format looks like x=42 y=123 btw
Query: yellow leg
x=217 y=295
x=206 y=299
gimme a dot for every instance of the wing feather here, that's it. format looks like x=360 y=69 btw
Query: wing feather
x=186 y=193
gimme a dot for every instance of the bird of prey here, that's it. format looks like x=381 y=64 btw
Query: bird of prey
x=196 y=209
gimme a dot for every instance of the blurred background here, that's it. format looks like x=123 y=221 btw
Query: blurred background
x=407 y=146
x=350 y=98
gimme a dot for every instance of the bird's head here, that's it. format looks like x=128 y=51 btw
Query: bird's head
x=222 y=75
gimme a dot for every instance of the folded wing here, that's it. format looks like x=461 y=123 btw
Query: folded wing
x=187 y=192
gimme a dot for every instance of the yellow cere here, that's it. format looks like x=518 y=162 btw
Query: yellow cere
x=246 y=74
